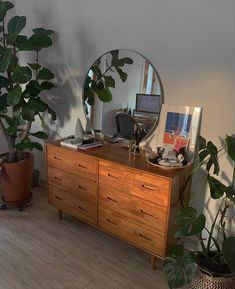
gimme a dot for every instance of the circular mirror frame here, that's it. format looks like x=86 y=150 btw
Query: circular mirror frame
x=155 y=125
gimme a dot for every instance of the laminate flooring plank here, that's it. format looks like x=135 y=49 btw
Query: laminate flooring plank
x=38 y=251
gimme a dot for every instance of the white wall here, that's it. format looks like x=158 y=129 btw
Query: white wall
x=191 y=43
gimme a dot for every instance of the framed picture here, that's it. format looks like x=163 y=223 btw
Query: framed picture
x=179 y=127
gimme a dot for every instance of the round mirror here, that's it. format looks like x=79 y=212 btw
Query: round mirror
x=122 y=81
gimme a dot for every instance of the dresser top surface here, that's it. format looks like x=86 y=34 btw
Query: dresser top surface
x=121 y=155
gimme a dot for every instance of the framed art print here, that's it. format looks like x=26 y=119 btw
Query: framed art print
x=179 y=127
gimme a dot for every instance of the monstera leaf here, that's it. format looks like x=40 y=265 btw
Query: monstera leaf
x=188 y=223
x=230 y=142
x=217 y=188
x=179 y=266
x=209 y=150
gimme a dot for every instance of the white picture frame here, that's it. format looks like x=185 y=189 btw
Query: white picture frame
x=179 y=122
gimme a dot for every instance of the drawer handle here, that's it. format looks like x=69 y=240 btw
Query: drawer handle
x=58 y=198
x=81 y=166
x=58 y=179
x=112 y=176
x=82 y=188
x=148 y=187
x=109 y=221
x=144 y=237
x=110 y=199
x=145 y=213
x=58 y=159
x=82 y=209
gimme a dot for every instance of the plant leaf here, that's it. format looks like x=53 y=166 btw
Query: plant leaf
x=13 y=63
x=5 y=60
x=46 y=85
x=35 y=43
x=4 y=82
x=121 y=73
x=40 y=134
x=179 y=267
x=22 y=74
x=202 y=143
x=109 y=81
x=43 y=31
x=217 y=188
x=33 y=88
x=4 y=7
x=3 y=103
x=14 y=96
x=230 y=142
x=34 y=66
x=45 y=74
x=211 y=151
x=188 y=223
x=15 y=26
x=228 y=250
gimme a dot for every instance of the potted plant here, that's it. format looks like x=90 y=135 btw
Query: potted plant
x=213 y=265
x=21 y=102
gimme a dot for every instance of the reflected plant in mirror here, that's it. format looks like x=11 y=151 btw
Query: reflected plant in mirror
x=121 y=81
x=99 y=81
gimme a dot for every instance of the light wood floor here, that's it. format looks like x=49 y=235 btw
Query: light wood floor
x=37 y=251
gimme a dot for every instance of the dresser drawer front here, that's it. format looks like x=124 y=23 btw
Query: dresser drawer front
x=73 y=162
x=113 y=175
x=114 y=223
x=150 y=188
x=148 y=214
x=73 y=184
x=73 y=205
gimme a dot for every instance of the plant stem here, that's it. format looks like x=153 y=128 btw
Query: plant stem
x=212 y=228
x=11 y=149
x=26 y=131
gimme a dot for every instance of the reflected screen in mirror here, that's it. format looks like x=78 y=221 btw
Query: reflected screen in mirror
x=148 y=103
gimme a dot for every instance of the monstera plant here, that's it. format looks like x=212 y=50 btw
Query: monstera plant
x=98 y=81
x=216 y=255
x=21 y=101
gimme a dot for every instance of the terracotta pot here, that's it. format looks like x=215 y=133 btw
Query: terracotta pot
x=16 y=179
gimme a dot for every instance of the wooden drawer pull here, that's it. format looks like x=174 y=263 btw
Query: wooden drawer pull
x=82 y=209
x=82 y=188
x=108 y=220
x=148 y=187
x=58 y=198
x=142 y=211
x=57 y=179
x=58 y=159
x=110 y=199
x=112 y=176
x=81 y=166
x=144 y=237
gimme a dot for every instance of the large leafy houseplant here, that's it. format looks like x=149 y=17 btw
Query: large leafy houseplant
x=217 y=245
x=21 y=85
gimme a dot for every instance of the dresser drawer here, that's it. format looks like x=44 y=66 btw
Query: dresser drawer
x=72 y=162
x=73 y=184
x=113 y=175
x=148 y=214
x=154 y=189
x=118 y=225
x=73 y=205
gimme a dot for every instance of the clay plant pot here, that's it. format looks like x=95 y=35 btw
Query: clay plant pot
x=16 y=179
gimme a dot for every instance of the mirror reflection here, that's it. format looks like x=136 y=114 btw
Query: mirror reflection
x=122 y=81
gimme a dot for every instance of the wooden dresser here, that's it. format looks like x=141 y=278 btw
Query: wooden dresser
x=117 y=192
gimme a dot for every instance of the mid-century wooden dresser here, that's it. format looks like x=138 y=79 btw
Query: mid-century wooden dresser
x=117 y=192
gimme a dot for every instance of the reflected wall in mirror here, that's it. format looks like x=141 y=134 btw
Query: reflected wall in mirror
x=122 y=81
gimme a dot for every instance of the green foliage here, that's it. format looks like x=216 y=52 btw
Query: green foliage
x=188 y=223
x=213 y=256
x=101 y=82
x=20 y=105
x=179 y=266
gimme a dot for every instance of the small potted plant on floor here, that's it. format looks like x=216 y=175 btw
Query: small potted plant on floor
x=20 y=102
x=213 y=265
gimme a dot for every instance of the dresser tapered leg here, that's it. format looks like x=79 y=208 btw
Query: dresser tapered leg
x=60 y=214
x=153 y=262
